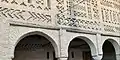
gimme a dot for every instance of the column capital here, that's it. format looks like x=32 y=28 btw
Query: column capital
x=97 y=57
x=62 y=58
x=118 y=54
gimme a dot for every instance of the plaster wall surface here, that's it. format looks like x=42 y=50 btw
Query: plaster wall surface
x=94 y=21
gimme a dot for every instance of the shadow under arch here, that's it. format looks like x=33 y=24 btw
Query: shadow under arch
x=89 y=42
x=115 y=45
x=52 y=41
x=111 y=47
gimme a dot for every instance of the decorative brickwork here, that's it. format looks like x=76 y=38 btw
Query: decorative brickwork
x=37 y=4
x=104 y=13
x=80 y=13
x=83 y=14
x=24 y=15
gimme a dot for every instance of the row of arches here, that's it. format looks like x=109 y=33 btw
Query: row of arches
x=35 y=46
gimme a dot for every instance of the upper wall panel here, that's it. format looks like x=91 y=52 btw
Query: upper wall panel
x=101 y=16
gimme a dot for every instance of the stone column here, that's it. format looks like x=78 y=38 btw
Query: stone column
x=62 y=58
x=63 y=44
x=97 y=57
x=4 y=39
x=99 y=54
x=117 y=56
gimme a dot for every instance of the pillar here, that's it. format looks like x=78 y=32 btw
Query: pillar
x=63 y=44
x=99 y=44
x=99 y=55
x=4 y=39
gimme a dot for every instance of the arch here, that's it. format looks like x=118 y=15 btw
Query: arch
x=114 y=43
x=55 y=46
x=89 y=42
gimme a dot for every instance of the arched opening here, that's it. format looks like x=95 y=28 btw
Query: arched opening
x=79 y=50
x=108 y=51
x=34 y=47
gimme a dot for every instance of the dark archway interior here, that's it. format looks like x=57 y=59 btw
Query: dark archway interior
x=108 y=51
x=34 y=47
x=79 y=50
